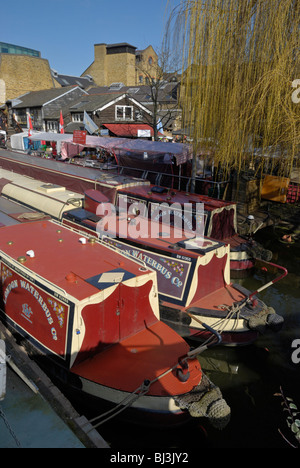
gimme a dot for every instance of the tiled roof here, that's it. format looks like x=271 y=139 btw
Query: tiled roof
x=92 y=102
x=39 y=98
x=167 y=92
x=68 y=80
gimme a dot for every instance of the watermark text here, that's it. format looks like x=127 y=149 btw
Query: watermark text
x=296 y=93
x=161 y=220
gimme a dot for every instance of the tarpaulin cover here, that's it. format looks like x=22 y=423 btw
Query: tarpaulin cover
x=69 y=150
x=223 y=223
x=125 y=146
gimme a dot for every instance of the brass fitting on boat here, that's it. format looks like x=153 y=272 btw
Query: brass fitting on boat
x=22 y=259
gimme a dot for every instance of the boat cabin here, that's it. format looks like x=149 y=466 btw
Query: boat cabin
x=219 y=216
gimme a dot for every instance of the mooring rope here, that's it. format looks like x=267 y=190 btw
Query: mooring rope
x=2 y=415
x=135 y=395
x=124 y=404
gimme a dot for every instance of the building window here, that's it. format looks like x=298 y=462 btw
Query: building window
x=14 y=49
x=52 y=126
x=21 y=116
x=141 y=79
x=124 y=113
x=139 y=115
x=150 y=60
x=77 y=117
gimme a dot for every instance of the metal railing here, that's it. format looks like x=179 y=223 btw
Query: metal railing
x=183 y=182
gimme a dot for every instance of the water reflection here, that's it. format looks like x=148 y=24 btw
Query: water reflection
x=258 y=371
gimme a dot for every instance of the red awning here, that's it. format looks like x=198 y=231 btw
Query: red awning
x=126 y=130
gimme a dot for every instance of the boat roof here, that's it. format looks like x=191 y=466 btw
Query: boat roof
x=155 y=235
x=12 y=213
x=50 y=198
x=78 y=269
x=162 y=195
x=50 y=168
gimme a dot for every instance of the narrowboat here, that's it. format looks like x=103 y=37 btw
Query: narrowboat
x=218 y=220
x=194 y=282
x=220 y=217
x=197 y=296
x=90 y=315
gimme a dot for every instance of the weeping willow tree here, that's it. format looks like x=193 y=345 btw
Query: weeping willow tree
x=239 y=60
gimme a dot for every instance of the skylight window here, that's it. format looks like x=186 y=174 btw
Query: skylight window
x=116 y=86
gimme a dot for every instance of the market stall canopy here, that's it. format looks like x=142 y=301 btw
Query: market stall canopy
x=122 y=147
x=20 y=141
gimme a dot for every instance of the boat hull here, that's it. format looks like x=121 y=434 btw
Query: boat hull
x=103 y=403
x=234 y=321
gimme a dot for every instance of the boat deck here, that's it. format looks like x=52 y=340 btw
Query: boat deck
x=77 y=267
x=152 y=349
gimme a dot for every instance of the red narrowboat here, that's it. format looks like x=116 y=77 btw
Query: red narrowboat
x=90 y=314
x=194 y=284
x=196 y=293
x=220 y=217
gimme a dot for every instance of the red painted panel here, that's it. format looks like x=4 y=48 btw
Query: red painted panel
x=210 y=277
x=126 y=311
x=37 y=312
x=135 y=312
x=101 y=322
x=92 y=198
x=79 y=137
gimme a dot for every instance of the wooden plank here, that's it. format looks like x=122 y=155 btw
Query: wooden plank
x=2 y=370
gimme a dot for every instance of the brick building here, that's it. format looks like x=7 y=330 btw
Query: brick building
x=22 y=70
x=122 y=63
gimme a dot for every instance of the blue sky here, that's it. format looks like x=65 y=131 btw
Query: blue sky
x=65 y=31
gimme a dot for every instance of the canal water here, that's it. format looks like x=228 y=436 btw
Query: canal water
x=249 y=377
x=28 y=421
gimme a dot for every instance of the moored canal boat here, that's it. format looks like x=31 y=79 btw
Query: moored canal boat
x=196 y=293
x=218 y=220
x=200 y=292
x=220 y=216
x=90 y=315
